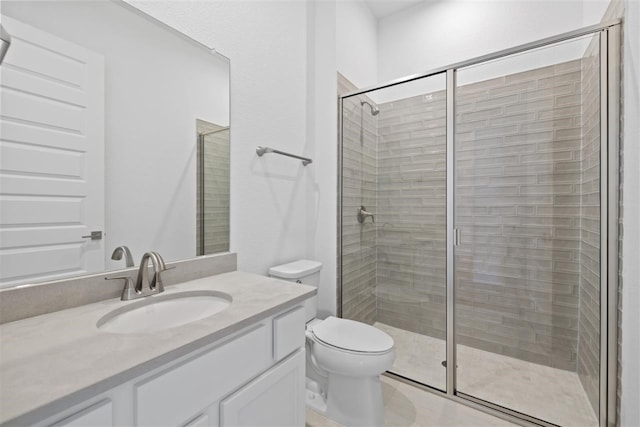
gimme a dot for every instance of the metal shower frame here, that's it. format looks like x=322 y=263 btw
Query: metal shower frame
x=610 y=39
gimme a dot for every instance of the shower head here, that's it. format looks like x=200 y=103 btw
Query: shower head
x=5 y=41
x=374 y=110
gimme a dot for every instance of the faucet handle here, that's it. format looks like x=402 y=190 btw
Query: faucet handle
x=156 y=281
x=129 y=290
x=363 y=214
x=158 y=267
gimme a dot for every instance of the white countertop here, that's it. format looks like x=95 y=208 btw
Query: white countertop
x=59 y=359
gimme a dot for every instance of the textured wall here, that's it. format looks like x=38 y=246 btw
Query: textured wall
x=518 y=206
x=411 y=213
x=359 y=258
x=589 y=327
x=267 y=44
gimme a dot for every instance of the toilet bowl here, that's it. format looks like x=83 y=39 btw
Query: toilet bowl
x=344 y=358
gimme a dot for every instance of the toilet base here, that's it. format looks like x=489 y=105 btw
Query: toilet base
x=314 y=397
x=355 y=401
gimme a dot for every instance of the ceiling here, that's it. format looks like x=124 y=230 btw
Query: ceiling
x=382 y=8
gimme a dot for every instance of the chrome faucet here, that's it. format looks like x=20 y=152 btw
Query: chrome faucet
x=363 y=214
x=143 y=286
x=123 y=250
x=155 y=284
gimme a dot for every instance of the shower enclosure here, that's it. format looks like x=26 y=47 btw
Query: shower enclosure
x=478 y=226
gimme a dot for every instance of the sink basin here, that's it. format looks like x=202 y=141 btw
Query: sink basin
x=159 y=312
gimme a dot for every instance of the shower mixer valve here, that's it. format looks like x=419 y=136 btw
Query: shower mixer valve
x=363 y=214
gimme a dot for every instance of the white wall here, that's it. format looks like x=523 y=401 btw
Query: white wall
x=438 y=33
x=593 y=11
x=322 y=132
x=630 y=410
x=280 y=210
x=356 y=42
x=156 y=85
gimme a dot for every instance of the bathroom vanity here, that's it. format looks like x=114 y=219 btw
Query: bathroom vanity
x=244 y=365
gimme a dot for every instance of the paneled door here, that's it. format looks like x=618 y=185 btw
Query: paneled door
x=51 y=157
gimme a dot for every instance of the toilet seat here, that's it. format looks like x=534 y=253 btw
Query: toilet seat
x=349 y=335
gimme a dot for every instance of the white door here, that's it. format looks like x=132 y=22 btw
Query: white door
x=51 y=157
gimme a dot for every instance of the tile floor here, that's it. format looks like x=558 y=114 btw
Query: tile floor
x=406 y=405
x=554 y=395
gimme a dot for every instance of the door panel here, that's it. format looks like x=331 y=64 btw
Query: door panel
x=527 y=210
x=52 y=157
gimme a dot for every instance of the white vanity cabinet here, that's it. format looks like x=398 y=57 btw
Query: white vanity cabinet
x=100 y=413
x=253 y=377
x=275 y=398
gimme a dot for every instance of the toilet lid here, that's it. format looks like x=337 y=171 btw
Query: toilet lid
x=352 y=335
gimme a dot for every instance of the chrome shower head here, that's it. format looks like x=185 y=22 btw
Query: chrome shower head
x=374 y=110
x=5 y=42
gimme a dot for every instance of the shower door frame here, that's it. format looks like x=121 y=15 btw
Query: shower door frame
x=610 y=39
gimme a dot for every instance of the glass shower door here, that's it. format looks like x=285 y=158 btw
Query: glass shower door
x=394 y=262
x=527 y=205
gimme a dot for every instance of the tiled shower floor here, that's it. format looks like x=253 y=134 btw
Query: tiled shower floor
x=408 y=406
x=554 y=395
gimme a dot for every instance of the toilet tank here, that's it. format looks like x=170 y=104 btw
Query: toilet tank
x=302 y=271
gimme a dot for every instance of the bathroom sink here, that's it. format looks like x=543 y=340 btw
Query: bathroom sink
x=159 y=312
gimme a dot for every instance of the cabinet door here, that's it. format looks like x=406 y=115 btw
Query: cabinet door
x=179 y=394
x=200 y=421
x=275 y=398
x=98 y=415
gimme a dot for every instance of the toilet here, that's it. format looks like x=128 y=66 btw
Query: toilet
x=344 y=358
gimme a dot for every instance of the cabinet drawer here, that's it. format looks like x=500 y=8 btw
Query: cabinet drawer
x=173 y=397
x=288 y=332
x=98 y=415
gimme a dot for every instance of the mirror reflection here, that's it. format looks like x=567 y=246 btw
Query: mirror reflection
x=213 y=188
x=103 y=112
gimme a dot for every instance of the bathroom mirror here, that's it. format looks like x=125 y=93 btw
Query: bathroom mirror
x=102 y=108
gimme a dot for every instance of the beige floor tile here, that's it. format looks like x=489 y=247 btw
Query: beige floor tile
x=314 y=419
x=541 y=391
x=423 y=408
x=408 y=406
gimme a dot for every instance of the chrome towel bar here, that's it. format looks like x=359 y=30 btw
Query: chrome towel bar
x=262 y=150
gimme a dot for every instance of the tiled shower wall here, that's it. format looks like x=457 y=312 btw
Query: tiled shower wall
x=518 y=181
x=589 y=327
x=519 y=192
x=359 y=255
x=518 y=207
x=216 y=190
x=412 y=214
